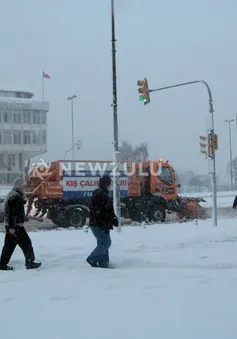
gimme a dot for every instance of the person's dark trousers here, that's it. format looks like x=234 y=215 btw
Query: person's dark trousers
x=20 y=238
x=99 y=257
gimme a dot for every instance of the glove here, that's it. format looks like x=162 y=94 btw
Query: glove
x=115 y=221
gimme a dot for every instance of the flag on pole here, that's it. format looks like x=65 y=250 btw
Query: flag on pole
x=46 y=76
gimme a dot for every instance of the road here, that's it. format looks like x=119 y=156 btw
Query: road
x=34 y=226
x=220 y=194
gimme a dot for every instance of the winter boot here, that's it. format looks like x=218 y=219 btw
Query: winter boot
x=6 y=268
x=32 y=265
x=93 y=263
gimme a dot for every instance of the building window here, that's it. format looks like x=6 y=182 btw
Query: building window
x=34 y=141
x=20 y=161
x=17 y=137
x=44 y=138
x=36 y=117
x=27 y=117
x=16 y=117
x=44 y=118
x=1 y=159
x=7 y=137
x=11 y=160
x=26 y=137
x=6 y=117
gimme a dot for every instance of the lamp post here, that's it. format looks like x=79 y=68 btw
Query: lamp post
x=72 y=118
x=116 y=178
x=231 y=160
x=78 y=144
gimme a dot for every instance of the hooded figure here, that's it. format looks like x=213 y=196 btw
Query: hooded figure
x=102 y=220
x=14 y=218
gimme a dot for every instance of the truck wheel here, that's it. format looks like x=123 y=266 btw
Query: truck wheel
x=60 y=222
x=156 y=213
x=77 y=219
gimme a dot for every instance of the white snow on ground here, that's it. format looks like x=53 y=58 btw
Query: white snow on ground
x=224 y=199
x=222 y=202
x=208 y=194
x=173 y=281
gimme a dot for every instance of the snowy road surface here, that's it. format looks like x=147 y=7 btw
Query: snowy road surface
x=173 y=281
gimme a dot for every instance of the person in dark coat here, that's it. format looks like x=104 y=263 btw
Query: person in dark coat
x=102 y=220
x=14 y=218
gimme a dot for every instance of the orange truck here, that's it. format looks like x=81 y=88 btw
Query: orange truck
x=148 y=191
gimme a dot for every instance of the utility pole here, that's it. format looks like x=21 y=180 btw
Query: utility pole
x=231 y=159
x=116 y=178
x=72 y=119
x=213 y=139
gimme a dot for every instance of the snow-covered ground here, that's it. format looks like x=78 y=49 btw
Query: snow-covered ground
x=224 y=199
x=222 y=202
x=208 y=194
x=173 y=281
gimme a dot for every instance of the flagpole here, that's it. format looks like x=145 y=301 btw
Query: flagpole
x=236 y=123
x=42 y=85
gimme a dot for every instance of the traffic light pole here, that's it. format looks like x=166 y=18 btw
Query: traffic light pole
x=213 y=157
x=116 y=179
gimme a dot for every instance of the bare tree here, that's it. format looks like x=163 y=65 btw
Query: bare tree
x=201 y=181
x=131 y=153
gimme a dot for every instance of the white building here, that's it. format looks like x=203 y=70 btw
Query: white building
x=23 y=132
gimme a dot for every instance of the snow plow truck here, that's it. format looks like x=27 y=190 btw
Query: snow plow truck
x=148 y=191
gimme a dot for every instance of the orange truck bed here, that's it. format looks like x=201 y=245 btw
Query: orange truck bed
x=72 y=179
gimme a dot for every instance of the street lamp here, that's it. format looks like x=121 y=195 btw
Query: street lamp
x=78 y=144
x=71 y=99
x=231 y=160
x=116 y=181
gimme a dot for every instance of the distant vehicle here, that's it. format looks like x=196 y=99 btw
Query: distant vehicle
x=4 y=190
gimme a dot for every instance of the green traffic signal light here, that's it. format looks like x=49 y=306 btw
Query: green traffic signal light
x=142 y=99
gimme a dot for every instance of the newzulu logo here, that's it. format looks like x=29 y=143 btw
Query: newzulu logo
x=41 y=169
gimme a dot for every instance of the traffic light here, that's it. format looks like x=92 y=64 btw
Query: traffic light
x=216 y=142
x=210 y=146
x=203 y=144
x=144 y=91
x=206 y=144
x=212 y=143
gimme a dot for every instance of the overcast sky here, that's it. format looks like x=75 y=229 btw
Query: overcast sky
x=166 y=41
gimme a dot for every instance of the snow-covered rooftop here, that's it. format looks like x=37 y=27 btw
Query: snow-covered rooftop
x=15 y=94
